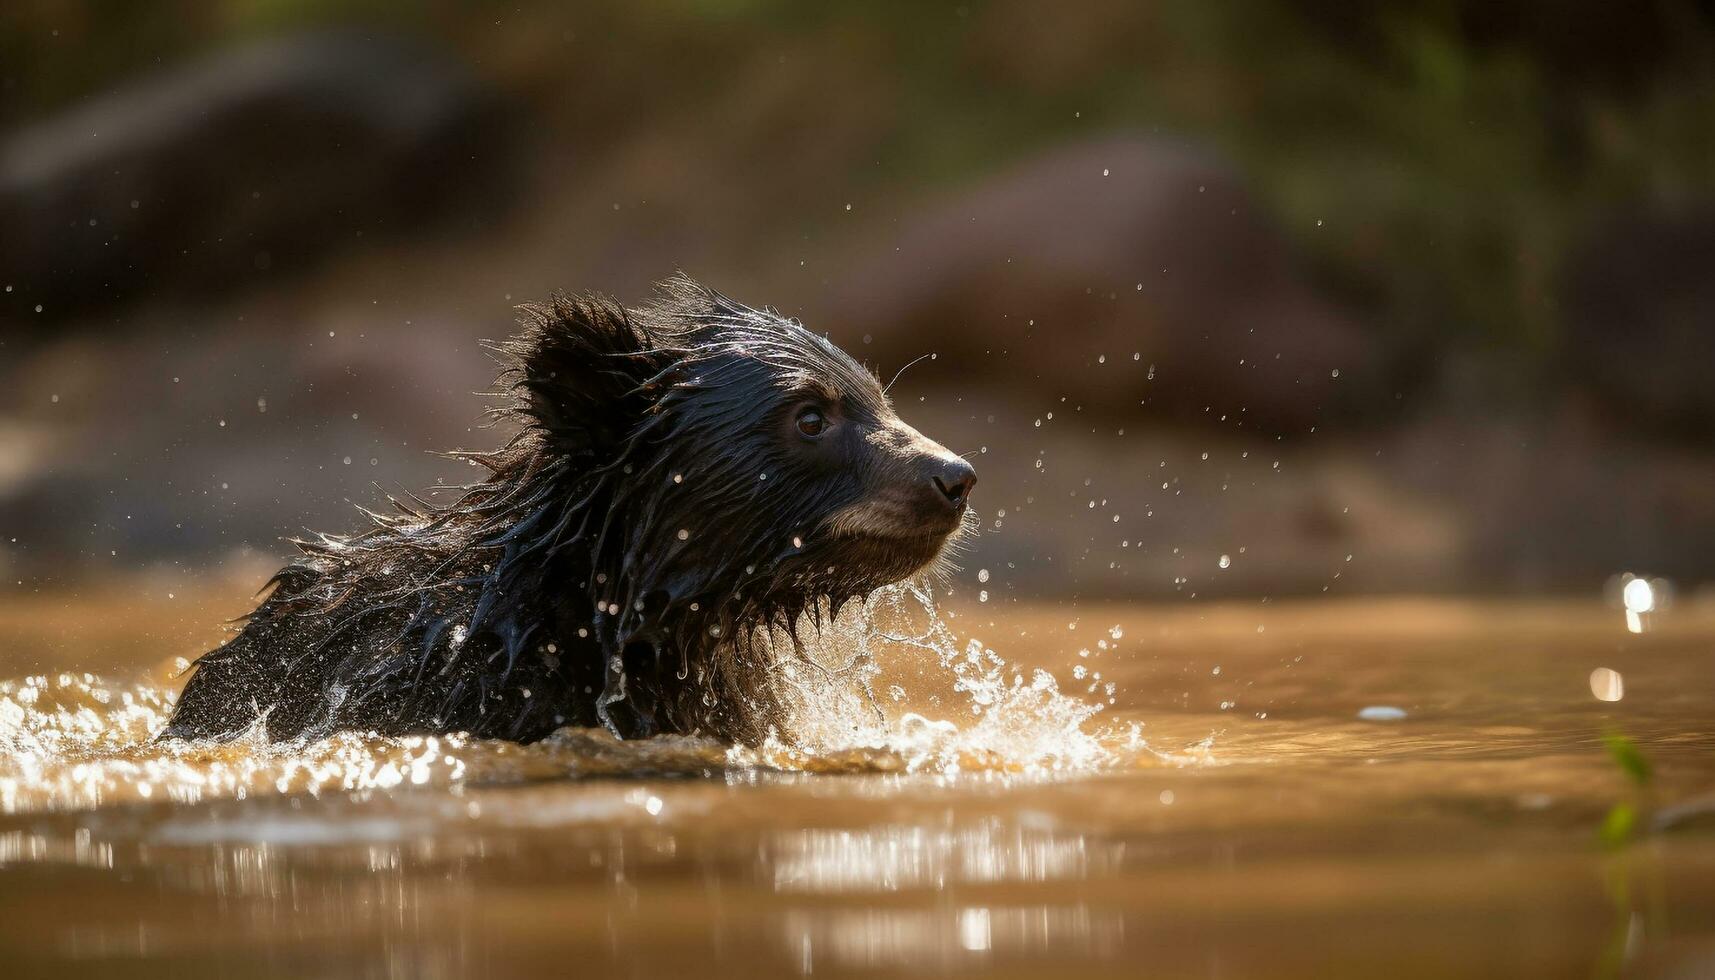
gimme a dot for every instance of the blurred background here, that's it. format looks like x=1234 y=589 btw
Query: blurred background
x=1269 y=299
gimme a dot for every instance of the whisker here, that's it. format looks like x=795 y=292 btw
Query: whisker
x=902 y=370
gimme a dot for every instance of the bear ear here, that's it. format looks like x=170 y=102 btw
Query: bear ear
x=580 y=370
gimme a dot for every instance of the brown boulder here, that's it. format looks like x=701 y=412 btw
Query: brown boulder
x=1117 y=272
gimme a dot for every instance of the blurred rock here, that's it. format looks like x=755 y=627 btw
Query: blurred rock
x=153 y=447
x=1640 y=321
x=1114 y=272
x=1547 y=503
x=1072 y=508
x=251 y=162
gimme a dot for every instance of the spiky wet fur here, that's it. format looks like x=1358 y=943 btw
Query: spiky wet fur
x=557 y=591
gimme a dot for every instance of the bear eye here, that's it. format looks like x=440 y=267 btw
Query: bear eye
x=812 y=423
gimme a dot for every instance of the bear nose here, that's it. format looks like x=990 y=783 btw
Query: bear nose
x=955 y=481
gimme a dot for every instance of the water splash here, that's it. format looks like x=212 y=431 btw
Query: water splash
x=1008 y=719
x=76 y=741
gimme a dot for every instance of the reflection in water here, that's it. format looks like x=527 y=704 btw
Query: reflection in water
x=397 y=871
x=895 y=858
x=912 y=858
x=941 y=939
x=19 y=847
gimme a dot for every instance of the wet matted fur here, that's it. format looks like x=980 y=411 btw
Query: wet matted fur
x=691 y=481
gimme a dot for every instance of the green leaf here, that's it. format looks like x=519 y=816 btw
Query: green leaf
x=1628 y=757
x=1618 y=825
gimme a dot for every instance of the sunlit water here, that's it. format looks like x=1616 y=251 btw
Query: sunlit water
x=1409 y=787
x=76 y=740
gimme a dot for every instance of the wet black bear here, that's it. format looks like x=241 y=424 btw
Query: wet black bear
x=692 y=482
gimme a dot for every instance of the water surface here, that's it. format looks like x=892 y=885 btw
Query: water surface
x=1403 y=787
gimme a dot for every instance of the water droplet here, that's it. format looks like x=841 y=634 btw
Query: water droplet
x=1607 y=684
x=1638 y=596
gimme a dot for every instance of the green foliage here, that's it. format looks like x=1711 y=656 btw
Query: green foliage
x=1625 y=753
x=1619 y=825
x=1622 y=822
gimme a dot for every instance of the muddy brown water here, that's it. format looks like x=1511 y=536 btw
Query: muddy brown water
x=1230 y=809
